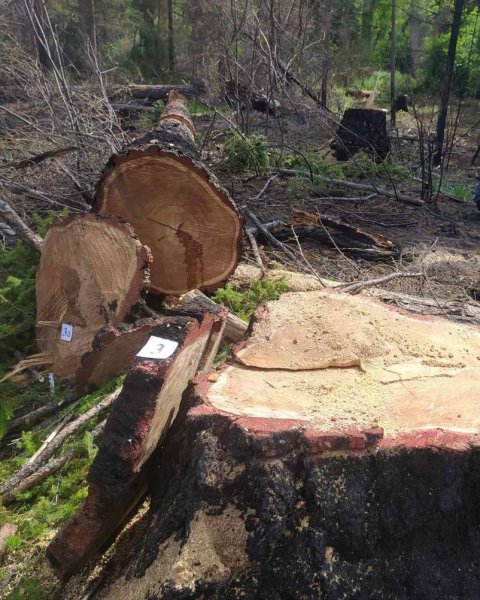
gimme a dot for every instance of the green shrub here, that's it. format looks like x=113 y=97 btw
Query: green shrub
x=244 y=302
x=18 y=269
x=363 y=166
x=379 y=81
x=28 y=588
x=247 y=152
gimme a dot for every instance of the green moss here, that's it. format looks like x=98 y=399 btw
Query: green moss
x=244 y=302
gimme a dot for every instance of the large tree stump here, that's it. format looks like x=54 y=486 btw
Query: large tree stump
x=140 y=417
x=92 y=272
x=337 y=457
x=175 y=204
x=362 y=129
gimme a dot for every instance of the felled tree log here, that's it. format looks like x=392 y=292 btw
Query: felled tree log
x=153 y=93
x=291 y=477
x=335 y=233
x=362 y=129
x=92 y=272
x=175 y=205
x=143 y=413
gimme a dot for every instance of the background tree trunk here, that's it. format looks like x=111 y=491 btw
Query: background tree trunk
x=393 y=56
x=171 y=38
x=86 y=18
x=447 y=82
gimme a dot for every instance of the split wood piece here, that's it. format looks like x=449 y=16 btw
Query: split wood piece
x=92 y=272
x=20 y=227
x=362 y=129
x=143 y=413
x=235 y=327
x=112 y=355
x=153 y=93
x=175 y=204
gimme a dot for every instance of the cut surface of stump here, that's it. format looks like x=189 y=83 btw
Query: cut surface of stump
x=362 y=129
x=141 y=416
x=92 y=272
x=175 y=204
x=356 y=363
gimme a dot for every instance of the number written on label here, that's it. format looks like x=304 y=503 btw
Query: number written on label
x=157 y=347
x=67 y=332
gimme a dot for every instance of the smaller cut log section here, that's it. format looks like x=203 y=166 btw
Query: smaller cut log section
x=142 y=414
x=92 y=272
x=175 y=205
x=113 y=353
x=362 y=129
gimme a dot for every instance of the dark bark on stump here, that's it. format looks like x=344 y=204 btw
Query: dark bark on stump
x=362 y=129
x=288 y=514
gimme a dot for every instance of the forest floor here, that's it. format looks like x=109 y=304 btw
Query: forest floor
x=443 y=239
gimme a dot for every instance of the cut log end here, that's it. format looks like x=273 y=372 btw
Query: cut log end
x=175 y=205
x=92 y=272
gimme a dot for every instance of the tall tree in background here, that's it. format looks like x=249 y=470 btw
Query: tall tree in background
x=86 y=18
x=393 y=57
x=171 y=38
x=447 y=81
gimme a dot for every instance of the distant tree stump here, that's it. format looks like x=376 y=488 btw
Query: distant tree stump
x=362 y=129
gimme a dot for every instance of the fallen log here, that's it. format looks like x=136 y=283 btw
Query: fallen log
x=235 y=327
x=368 y=187
x=112 y=354
x=26 y=422
x=143 y=413
x=152 y=93
x=52 y=466
x=20 y=227
x=175 y=205
x=32 y=465
x=339 y=483
x=332 y=232
x=92 y=272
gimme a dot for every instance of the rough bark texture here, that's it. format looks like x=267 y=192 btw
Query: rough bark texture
x=176 y=206
x=240 y=512
x=362 y=129
x=144 y=411
x=92 y=272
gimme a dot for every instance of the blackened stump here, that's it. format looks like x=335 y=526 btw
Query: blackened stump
x=362 y=129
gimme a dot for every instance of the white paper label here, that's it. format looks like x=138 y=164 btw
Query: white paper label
x=51 y=381
x=67 y=332
x=158 y=347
